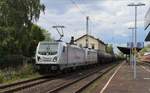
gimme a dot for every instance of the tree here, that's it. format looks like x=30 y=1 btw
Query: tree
x=47 y=35
x=16 y=21
x=20 y=13
x=109 y=49
x=37 y=34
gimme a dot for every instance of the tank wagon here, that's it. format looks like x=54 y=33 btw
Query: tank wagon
x=60 y=56
x=104 y=57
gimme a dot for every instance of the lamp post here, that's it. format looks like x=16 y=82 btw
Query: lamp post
x=135 y=39
x=131 y=47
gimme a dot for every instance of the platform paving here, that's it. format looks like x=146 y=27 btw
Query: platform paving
x=122 y=81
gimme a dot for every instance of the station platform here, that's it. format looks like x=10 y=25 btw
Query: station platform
x=122 y=81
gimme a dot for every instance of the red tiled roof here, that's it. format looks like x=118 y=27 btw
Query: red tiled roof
x=91 y=37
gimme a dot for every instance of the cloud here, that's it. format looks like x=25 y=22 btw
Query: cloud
x=108 y=18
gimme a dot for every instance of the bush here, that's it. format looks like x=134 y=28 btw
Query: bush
x=26 y=70
x=14 y=67
x=1 y=77
x=12 y=74
x=11 y=61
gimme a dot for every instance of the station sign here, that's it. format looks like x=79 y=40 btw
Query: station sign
x=130 y=44
x=138 y=45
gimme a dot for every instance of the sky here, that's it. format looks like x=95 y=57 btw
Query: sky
x=109 y=19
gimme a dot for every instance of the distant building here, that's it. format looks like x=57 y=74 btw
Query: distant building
x=93 y=43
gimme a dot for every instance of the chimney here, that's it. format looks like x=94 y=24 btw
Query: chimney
x=72 y=40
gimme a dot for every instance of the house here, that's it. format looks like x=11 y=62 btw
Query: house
x=93 y=43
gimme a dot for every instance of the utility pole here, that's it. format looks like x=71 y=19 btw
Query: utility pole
x=135 y=40
x=61 y=33
x=87 y=31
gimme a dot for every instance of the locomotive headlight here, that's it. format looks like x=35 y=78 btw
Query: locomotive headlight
x=55 y=59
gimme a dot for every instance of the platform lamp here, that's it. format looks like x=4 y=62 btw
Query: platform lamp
x=131 y=47
x=135 y=41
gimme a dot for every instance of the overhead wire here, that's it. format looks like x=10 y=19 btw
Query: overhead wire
x=83 y=12
x=48 y=20
x=77 y=6
x=80 y=10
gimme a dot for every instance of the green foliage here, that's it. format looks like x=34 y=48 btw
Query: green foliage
x=120 y=55
x=47 y=35
x=1 y=77
x=13 y=74
x=18 y=34
x=7 y=40
x=37 y=34
x=28 y=69
x=13 y=61
x=145 y=49
x=109 y=49
x=20 y=13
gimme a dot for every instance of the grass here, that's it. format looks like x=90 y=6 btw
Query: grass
x=9 y=75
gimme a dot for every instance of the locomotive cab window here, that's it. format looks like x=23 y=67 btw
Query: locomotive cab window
x=48 y=48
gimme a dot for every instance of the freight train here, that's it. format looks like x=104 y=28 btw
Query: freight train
x=60 y=56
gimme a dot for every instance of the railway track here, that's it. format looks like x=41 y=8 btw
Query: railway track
x=147 y=63
x=76 y=86
x=144 y=63
x=9 y=88
x=57 y=83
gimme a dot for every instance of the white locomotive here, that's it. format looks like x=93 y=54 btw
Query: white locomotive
x=59 y=56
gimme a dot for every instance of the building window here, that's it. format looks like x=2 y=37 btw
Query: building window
x=80 y=45
x=93 y=46
x=86 y=45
